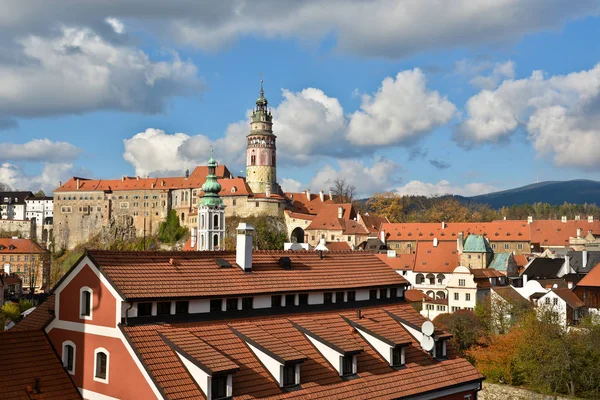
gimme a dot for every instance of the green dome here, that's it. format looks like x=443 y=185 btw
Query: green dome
x=211 y=187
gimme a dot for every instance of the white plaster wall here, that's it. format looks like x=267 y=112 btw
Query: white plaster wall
x=380 y=346
x=272 y=365
x=262 y=302
x=199 y=306
x=330 y=355
x=315 y=298
x=199 y=376
x=560 y=308
x=362 y=295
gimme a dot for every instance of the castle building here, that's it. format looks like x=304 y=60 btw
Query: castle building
x=211 y=212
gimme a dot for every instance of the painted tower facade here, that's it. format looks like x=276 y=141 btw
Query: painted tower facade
x=211 y=212
x=261 y=163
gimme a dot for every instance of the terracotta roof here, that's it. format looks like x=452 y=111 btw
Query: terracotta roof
x=372 y=222
x=20 y=246
x=12 y=279
x=343 y=341
x=414 y=295
x=440 y=258
x=486 y=273
x=319 y=380
x=258 y=337
x=327 y=219
x=188 y=245
x=521 y=260
x=509 y=294
x=436 y=301
x=404 y=262
x=38 y=318
x=420 y=231
x=150 y=274
x=569 y=297
x=557 y=233
x=28 y=355
x=302 y=204
x=337 y=246
x=298 y=215
x=592 y=278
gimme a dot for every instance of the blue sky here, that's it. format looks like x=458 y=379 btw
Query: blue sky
x=411 y=98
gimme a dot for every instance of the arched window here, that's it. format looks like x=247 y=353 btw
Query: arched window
x=216 y=221
x=202 y=221
x=202 y=241
x=431 y=294
x=68 y=356
x=440 y=278
x=431 y=279
x=252 y=159
x=440 y=295
x=420 y=279
x=215 y=241
x=101 y=359
x=182 y=217
x=85 y=302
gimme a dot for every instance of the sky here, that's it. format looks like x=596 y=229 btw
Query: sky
x=409 y=96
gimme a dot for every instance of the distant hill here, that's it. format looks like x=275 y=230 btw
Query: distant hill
x=552 y=192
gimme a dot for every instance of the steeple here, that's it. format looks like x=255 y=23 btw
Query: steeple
x=211 y=187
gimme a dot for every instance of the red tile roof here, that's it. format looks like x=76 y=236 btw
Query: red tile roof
x=38 y=318
x=440 y=258
x=302 y=204
x=20 y=246
x=27 y=355
x=520 y=260
x=372 y=222
x=592 y=278
x=404 y=262
x=414 y=296
x=318 y=378
x=327 y=217
x=11 y=279
x=495 y=230
x=557 y=233
x=569 y=297
x=337 y=246
x=150 y=274
x=486 y=273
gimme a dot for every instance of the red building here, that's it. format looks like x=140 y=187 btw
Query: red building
x=269 y=324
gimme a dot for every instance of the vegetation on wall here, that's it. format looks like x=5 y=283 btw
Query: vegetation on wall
x=170 y=231
x=269 y=232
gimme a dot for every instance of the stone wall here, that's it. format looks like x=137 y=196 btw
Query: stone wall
x=24 y=229
x=492 y=391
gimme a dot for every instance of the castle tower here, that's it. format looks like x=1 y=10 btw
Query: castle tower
x=211 y=212
x=261 y=166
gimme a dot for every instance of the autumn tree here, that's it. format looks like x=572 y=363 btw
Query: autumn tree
x=465 y=327
x=448 y=210
x=390 y=205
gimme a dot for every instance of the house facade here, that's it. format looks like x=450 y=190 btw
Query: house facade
x=28 y=260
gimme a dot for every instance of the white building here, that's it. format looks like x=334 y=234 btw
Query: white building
x=13 y=205
x=41 y=209
x=566 y=307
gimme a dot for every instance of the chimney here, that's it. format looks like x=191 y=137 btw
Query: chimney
x=443 y=225
x=137 y=178
x=292 y=196
x=193 y=238
x=359 y=314
x=577 y=217
x=435 y=242
x=590 y=218
x=122 y=179
x=243 y=253
x=504 y=218
x=340 y=212
x=578 y=233
x=308 y=194
x=584 y=258
x=530 y=219
x=331 y=195
x=187 y=174
x=563 y=219
x=59 y=183
x=322 y=196
x=460 y=242
x=382 y=236
x=78 y=183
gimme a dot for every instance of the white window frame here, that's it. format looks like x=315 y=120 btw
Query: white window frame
x=101 y=350
x=65 y=344
x=86 y=289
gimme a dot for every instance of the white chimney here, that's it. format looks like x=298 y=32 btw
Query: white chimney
x=122 y=179
x=590 y=218
x=78 y=182
x=578 y=233
x=460 y=242
x=563 y=219
x=391 y=253
x=322 y=196
x=330 y=195
x=570 y=285
x=504 y=218
x=443 y=225
x=243 y=252
x=308 y=194
x=577 y=217
x=529 y=219
x=382 y=236
x=584 y=258
x=435 y=242
x=340 y=212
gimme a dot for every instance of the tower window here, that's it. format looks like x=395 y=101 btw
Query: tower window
x=252 y=159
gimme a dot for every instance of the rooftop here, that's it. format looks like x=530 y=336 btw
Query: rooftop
x=592 y=279
x=195 y=274
x=476 y=244
x=569 y=297
x=544 y=268
x=286 y=337
x=20 y=246
x=440 y=258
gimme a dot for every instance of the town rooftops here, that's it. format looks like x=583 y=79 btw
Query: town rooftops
x=190 y=274
x=509 y=294
x=508 y=231
x=576 y=260
x=415 y=296
x=592 y=279
x=476 y=244
x=304 y=203
x=296 y=337
x=38 y=318
x=402 y=262
x=544 y=268
x=500 y=261
x=21 y=246
x=549 y=233
x=569 y=297
x=14 y=197
x=440 y=258
x=27 y=356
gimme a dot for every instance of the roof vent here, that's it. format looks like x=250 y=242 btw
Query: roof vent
x=223 y=263
x=285 y=262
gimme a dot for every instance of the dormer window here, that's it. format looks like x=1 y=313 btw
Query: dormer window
x=218 y=387
x=290 y=375
x=439 y=350
x=348 y=366
x=397 y=356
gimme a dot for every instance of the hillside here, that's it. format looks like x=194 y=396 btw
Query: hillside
x=553 y=192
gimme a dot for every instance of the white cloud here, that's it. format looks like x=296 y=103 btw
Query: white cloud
x=559 y=113
x=289 y=185
x=381 y=28
x=499 y=72
x=379 y=176
x=116 y=25
x=14 y=176
x=79 y=71
x=400 y=112
x=39 y=150
x=443 y=187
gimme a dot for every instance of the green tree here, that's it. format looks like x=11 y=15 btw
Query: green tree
x=465 y=327
x=170 y=230
x=25 y=305
x=40 y=193
x=11 y=311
